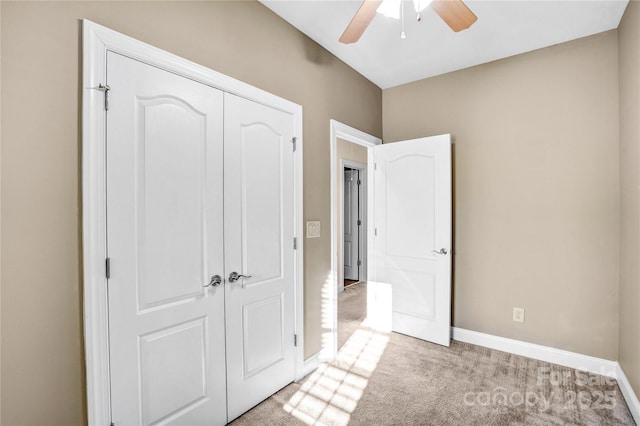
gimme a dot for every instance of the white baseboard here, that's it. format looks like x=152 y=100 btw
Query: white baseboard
x=556 y=356
x=629 y=395
x=310 y=364
x=574 y=360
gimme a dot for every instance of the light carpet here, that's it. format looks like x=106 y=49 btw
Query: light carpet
x=392 y=379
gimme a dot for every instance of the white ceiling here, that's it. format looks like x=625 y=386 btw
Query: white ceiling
x=504 y=28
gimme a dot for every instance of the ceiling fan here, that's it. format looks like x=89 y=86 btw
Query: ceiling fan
x=455 y=13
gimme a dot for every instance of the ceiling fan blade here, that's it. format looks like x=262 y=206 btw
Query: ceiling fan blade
x=360 y=21
x=455 y=13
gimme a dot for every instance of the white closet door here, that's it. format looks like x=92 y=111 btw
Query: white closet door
x=164 y=220
x=258 y=215
x=413 y=242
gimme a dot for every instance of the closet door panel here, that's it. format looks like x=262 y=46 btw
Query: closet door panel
x=261 y=186
x=258 y=244
x=165 y=242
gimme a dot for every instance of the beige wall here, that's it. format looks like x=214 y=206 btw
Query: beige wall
x=629 y=52
x=536 y=189
x=351 y=152
x=42 y=352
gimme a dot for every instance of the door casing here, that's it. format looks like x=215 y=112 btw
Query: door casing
x=345 y=132
x=97 y=40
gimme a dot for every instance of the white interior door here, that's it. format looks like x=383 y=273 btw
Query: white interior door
x=259 y=230
x=413 y=242
x=351 y=216
x=165 y=242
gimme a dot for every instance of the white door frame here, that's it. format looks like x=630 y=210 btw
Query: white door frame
x=362 y=210
x=342 y=131
x=97 y=40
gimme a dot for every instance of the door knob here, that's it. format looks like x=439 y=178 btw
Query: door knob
x=442 y=251
x=216 y=280
x=234 y=276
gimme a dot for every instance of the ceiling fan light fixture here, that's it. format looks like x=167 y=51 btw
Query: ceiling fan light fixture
x=421 y=5
x=454 y=13
x=390 y=8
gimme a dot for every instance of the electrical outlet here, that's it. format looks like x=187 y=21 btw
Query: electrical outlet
x=518 y=314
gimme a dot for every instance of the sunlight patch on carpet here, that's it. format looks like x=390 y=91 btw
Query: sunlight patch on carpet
x=332 y=392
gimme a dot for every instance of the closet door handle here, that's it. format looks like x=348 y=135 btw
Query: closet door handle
x=216 y=280
x=234 y=276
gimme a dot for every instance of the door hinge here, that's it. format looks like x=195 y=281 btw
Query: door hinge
x=359 y=262
x=295 y=243
x=359 y=222
x=105 y=88
x=359 y=182
x=113 y=424
x=375 y=166
x=107 y=267
x=293 y=141
x=295 y=340
x=375 y=232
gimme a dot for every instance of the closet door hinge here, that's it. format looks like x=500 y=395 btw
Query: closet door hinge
x=113 y=424
x=107 y=267
x=359 y=182
x=375 y=166
x=105 y=88
x=295 y=340
x=359 y=262
x=295 y=243
x=293 y=141
x=359 y=222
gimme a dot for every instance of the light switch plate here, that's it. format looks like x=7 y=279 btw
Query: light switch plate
x=518 y=314
x=313 y=229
